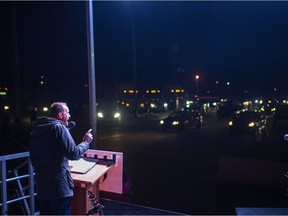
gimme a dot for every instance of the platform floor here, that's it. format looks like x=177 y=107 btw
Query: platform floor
x=112 y=207
x=261 y=211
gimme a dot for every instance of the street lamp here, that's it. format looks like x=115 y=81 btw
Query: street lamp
x=196 y=79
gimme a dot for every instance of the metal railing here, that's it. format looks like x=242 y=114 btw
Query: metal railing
x=5 y=200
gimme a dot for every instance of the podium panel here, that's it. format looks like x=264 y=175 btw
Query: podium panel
x=80 y=201
x=98 y=175
x=113 y=182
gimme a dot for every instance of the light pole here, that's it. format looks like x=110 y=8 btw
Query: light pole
x=135 y=79
x=91 y=70
x=196 y=80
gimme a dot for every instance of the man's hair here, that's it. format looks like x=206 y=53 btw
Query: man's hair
x=56 y=107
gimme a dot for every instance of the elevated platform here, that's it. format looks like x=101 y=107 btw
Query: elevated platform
x=121 y=208
x=261 y=211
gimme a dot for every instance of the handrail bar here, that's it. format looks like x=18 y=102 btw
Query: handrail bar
x=18 y=199
x=16 y=178
x=14 y=156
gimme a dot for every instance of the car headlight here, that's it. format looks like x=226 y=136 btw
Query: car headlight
x=117 y=115
x=230 y=123
x=251 y=124
x=45 y=109
x=100 y=115
x=161 y=122
x=175 y=122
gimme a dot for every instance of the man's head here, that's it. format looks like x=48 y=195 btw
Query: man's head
x=60 y=111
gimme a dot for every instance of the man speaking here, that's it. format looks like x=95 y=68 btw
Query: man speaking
x=51 y=146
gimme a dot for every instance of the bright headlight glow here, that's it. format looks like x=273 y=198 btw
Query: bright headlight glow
x=175 y=123
x=161 y=122
x=117 y=115
x=251 y=124
x=100 y=115
x=230 y=123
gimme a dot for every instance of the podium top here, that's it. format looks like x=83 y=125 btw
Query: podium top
x=88 y=179
x=83 y=165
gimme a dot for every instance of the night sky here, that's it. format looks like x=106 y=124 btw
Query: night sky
x=243 y=42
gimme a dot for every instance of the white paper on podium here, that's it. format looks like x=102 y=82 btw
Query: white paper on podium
x=82 y=165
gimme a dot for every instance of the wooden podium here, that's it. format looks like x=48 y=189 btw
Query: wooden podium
x=110 y=176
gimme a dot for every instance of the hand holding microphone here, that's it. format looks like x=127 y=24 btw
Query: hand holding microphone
x=88 y=137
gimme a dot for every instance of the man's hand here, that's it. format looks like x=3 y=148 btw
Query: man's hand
x=88 y=137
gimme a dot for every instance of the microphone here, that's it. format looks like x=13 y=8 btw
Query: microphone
x=71 y=125
x=286 y=137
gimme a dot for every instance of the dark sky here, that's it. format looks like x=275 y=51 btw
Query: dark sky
x=241 y=42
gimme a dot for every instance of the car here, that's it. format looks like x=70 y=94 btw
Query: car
x=196 y=108
x=109 y=113
x=180 y=120
x=250 y=123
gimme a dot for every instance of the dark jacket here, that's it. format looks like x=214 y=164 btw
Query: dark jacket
x=51 y=146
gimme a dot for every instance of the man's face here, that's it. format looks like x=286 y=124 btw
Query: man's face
x=65 y=115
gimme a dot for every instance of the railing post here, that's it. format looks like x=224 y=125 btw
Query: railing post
x=3 y=188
